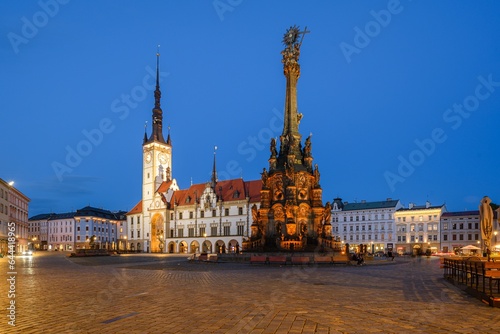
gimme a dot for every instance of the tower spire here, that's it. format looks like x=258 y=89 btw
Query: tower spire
x=157 y=133
x=214 y=171
x=145 y=132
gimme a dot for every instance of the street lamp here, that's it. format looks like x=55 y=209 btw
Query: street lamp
x=205 y=243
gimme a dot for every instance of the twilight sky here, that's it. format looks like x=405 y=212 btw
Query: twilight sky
x=402 y=97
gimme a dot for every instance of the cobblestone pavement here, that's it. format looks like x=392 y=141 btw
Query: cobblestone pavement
x=168 y=294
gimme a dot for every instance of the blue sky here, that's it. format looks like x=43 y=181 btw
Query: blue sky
x=402 y=97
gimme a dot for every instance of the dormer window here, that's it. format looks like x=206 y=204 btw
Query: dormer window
x=188 y=199
x=236 y=194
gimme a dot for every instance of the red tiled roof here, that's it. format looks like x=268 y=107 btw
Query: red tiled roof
x=164 y=186
x=231 y=190
x=136 y=209
x=188 y=196
x=253 y=188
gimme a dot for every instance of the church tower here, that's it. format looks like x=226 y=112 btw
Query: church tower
x=157 y=169
x=291 y=213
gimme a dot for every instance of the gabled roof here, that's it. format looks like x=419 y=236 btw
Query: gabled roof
x=42 y=216
x=229 y=190
x=461 y=213
x=164 y=186
x=188 y=196
x=66 y=215
x=136 y=209
x=253 y=188
x=370 y=205
x=422 y=207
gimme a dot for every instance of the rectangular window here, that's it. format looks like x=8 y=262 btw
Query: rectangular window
x=132 y=234
x=180 y=232
x=138 y=233
x=461 y=237
x=240 y=230
x=363 y=218
x=469 y=236
x=357 y=218
x=240 y=211
x=180 y=215
x=350 y=228
x=213 y=231
x=226 y=212
x=435 y=237
x=171 y=233
x=476 y=226
x=191 y=232
x=445 y=237
x=454 y=237
x=345 y=218
x=202 y=231
x=171 y=216
x=191 y=215
x=202 y=214
x=461 y=226
x=214 y=213
x=345 y=228
x=227 y=230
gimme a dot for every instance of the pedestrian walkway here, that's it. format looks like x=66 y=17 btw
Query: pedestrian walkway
x=168 y=294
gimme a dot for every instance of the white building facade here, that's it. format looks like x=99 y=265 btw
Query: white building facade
x=99 y=229
x=370 y=224
x=212 y=217
x=459 y=229
x=418 y=228
x=13 y=211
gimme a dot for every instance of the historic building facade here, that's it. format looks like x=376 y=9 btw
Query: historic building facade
x=365 y=223
x=208 y=217
x=460 y=229
x=13 y=210
x=418 y=228
x=88 y=227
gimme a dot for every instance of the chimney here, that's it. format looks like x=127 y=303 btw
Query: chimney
x=427 y=204
x=410 y=205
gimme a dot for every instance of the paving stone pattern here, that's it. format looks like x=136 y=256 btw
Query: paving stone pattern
x=168 y=294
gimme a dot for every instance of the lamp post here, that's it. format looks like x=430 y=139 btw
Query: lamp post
x=204 y=248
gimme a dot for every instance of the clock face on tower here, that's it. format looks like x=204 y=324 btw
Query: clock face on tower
x=148 y=157
x=163 y=158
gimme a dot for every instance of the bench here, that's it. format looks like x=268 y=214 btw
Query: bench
x=258 y=259
x=277 y=259
x=492 y=273
x=323 y=259
x=300 y=260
